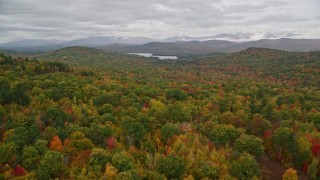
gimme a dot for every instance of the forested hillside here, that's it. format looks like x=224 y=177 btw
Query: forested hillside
x=113 y=116
x=289 y=68
x=188 y=48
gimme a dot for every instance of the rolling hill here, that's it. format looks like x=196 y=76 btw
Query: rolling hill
x=257 y=63
x=179 y=46
x=291 y=68
x=183 y=48
x=227 y=110
x=85 y=56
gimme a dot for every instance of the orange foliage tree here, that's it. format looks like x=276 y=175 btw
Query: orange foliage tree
x=56 y=144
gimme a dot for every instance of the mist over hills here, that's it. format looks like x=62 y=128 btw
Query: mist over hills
x=205 y=47
x=177 y=45
x=37 y=45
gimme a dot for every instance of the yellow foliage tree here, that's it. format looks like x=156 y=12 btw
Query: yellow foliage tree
x=157 y=105
x=190 y=177
x=8 y=172
x=110 y=172
x=290 y=174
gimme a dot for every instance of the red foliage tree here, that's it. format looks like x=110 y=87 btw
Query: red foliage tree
x=146 y=105
x=315 y=149
x=167 y=150
x=267 y=133
x=19 y=171
x=305 y=166
x=210 y=145
x=111 y=142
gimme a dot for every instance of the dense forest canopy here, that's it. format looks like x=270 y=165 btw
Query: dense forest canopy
x=84 y=113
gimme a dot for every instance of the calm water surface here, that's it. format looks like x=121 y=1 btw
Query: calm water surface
x=151 y=55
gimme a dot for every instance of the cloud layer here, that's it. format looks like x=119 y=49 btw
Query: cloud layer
x=69 y=19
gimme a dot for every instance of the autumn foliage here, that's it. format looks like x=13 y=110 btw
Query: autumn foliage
x=56 y=144
x=111 y=142
x=117 y=116
x=290 y=174
x=19 y=171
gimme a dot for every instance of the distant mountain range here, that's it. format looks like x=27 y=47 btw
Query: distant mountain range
x=236 y=37
x=35 y=45
x=185 y=48
x=177 y=45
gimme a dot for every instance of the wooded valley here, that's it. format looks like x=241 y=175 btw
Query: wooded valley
x=82 y=113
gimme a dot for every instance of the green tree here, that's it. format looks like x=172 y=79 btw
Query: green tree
x=224 y=104
x=2 y=113
x=98 y=133
x=315 y=118
x=259 y=125
x=268 y=112
x=122 y=162
x=222 y=134
x=5 y=93
x=131 y=174
x=49 y=133
x=112 y=99
x=20 y=119
x=106 y=108
x=245 y=167
x=167 y=131
x=7 y=151
x=175 y=94
x=99 y=157
x=19 y=94
x=207 y=171
x=250 y=144
x=172 y=167
x=30 y=155
x=283 y=115
x=176 y=114
x=19 y=136
x=80 y=142
x=136 y=132
x=313 y=169
x=41 y=146
x=282 y=137
x=50 y=165
x=55 y=116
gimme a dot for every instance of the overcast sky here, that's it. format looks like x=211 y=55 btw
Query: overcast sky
x=71 y=19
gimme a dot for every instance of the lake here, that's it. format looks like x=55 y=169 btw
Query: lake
x=151 y=55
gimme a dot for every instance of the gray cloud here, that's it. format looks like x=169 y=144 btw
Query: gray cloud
x=279 y=19
x=69 y=19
